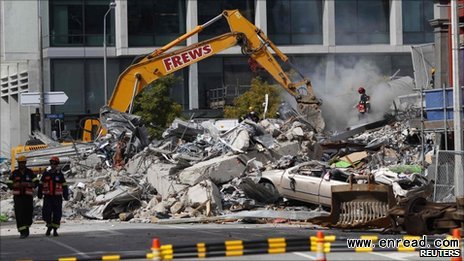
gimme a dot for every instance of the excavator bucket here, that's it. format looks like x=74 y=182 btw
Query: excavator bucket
x=359 y=206
x=313 y=115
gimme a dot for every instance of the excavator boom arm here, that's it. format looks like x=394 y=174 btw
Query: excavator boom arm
x=138 y=76
x=253 y=43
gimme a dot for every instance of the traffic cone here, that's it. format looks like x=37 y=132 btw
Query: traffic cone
x=457 y=235
x=155 y=249
x=320 y=254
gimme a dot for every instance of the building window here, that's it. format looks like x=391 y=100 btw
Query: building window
x=416 y=26
x=208 y=9
x=80 y=23
x=84 y=82
x=155 y=22
x=362 y=22
x=217 y=73
x=313 y=68
x=384 y=64
x=294 y=21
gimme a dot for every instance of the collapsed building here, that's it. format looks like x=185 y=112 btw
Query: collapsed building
x=201 y=173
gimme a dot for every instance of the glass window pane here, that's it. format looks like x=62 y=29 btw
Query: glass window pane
x=180 y=88
x=80 y=22
x=155 y=22
x=237 y=71
x=411 y=21
x=209 y=78
x=141 y=22
x=295 y=21
x=94 y=87
x=68 y=76
x=169 y=20
x=208 y=9
x=66 y=23
x=362 y=22
x=416 y=26
x=94 y=15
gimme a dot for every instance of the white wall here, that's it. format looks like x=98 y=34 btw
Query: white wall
x=19 y=72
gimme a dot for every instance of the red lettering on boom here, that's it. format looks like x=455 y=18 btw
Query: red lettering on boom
x=167 y=64
x=185 y=57
x=195 y=53
x=176 y=61
x=182 y=59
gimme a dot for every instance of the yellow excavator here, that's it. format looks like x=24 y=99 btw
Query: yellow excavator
x=253 y=42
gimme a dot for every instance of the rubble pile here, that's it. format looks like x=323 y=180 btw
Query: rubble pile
x=198 y=171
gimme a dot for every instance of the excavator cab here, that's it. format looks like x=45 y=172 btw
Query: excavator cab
x=91 y=129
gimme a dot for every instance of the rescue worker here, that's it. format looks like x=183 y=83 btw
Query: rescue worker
x=364 y=104
x=23 y=181
x=251 y=115
x=53 y=189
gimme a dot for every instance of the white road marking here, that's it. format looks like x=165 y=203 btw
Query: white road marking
x=76 y=252
x=111 y=231
x=197 y=230
x=304 y=255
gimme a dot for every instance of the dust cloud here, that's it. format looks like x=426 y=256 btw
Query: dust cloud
x=339 y=93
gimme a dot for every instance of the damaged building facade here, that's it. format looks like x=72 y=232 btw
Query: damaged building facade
x=321 y=37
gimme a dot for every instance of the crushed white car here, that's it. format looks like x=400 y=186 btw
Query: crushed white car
x=307 y=182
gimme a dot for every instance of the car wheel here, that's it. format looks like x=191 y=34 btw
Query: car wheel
x=273 y=193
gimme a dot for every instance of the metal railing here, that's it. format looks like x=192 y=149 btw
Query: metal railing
x=220 y=97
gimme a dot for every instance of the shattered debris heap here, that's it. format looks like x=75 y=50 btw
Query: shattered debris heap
x=198 y=173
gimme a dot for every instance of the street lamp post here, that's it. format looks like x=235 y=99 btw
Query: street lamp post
x=105 y=83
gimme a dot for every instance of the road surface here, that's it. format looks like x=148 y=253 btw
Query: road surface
x=91 y=239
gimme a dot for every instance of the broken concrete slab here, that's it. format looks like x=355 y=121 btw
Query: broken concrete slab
x=203 y=192
x=288 y=148
x=241 y=140
x=159 y=176
x=219 y=170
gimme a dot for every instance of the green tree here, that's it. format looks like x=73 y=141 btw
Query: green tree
x=254 y=97
x=155 y=106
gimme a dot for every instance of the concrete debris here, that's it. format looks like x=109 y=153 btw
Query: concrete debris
x=183 y=130
x=212 y=170
x=405 y=183
x=219 y=170
x=37 y=135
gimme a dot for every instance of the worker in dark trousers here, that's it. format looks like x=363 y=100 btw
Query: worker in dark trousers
x=53 y=189
x=23 y=181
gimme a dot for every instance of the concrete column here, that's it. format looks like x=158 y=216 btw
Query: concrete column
x=440 y=28
x=329 y=71
x=121 y=28
x=328 y=23
x=396 y=22
x=44 y=10
x=192 y=21
x=261 y=15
